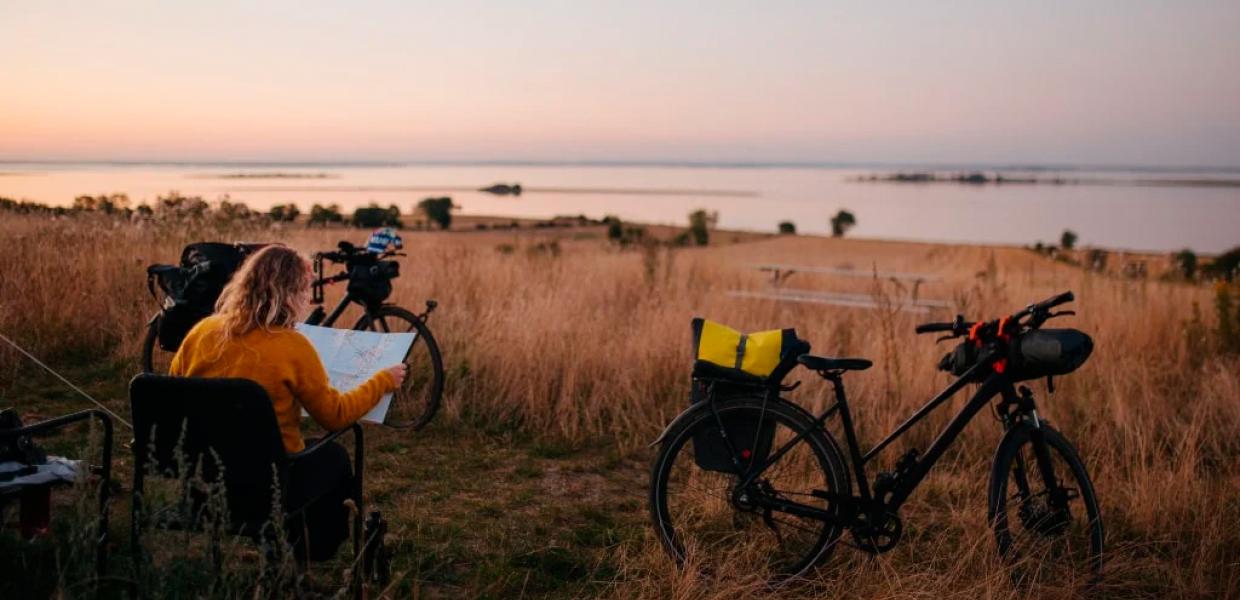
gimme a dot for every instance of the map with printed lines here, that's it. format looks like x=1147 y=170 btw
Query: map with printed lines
x=352 y=357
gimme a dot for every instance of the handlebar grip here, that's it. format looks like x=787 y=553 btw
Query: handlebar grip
x=1054 y=301
x=935 y=327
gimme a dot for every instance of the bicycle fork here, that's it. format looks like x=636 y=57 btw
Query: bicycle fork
x=1056 y=494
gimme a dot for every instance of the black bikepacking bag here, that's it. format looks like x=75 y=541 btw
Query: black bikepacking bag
x=193 y=287
x=750 y=440
x=372 y=284
x=1048 y=352
x=1035 y=354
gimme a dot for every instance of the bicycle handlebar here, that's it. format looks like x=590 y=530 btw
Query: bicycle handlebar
x=1040 y=312
x=1045 y=305
x=349 y=252
x=935 y=327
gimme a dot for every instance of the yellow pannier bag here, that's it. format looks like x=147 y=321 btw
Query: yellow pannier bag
x=760 y=354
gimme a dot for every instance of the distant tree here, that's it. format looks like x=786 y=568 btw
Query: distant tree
x=438 y=210
x=788 y=227
x=1068 y=239
x=842 y=222
x=700 y=224
x=375 y=216
x=324 y=215
x=1186 y=263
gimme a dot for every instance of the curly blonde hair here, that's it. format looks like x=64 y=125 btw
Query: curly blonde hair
x=270 y=290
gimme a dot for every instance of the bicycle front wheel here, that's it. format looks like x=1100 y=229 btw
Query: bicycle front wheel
x=1045 y=512
x=417 y=401
x=705 y=523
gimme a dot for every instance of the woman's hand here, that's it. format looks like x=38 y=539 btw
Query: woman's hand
x=398 y=374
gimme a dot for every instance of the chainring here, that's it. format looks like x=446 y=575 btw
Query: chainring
x=877 y=538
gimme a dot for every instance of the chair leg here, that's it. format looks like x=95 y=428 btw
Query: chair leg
x=359 y=452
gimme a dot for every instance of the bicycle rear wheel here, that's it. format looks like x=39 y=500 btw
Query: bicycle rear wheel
x=418 y=399
x=1051 y=535
x=704 y=525
x=155 y=359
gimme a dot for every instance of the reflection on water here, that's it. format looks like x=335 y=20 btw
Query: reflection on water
x=1205 y=218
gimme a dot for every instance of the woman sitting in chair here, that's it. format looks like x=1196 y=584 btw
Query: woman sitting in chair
x=251 y=336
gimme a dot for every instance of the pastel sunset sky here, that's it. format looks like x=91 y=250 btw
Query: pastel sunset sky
x=1086 y=81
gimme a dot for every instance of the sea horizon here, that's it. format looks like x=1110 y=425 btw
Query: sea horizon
x=995 y=166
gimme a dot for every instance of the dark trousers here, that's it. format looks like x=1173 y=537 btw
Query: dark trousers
x=318 y=485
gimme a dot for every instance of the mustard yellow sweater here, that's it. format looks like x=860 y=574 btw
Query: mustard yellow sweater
x=287 y=366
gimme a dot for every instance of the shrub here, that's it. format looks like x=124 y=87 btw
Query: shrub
x=283 y=213
x=1186 y=263
x=1224 y=266
x=376 y=216
x=1096 y=260
x=323 y=215
x=787 y=228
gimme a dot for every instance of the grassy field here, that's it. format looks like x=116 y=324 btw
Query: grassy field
x=566 y=356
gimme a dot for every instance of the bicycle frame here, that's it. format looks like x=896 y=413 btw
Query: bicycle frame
x=994 y=385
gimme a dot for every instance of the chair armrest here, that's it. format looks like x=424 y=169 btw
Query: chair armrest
x=357 y=441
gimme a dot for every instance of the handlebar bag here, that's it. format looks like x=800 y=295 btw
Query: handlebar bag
x=960 y=359
x=1047 y=352
x=373 y=284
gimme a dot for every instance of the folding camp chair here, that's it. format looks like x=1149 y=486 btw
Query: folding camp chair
x=211 y=426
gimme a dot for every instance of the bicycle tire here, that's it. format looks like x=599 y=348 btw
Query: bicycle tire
x=406 y=410
x=827 y=462
x=150 y=346
x=1016 y=450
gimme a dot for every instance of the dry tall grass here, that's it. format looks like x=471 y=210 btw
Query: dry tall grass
x=591 y=342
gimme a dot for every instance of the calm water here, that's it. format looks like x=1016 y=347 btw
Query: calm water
x=1118 y=215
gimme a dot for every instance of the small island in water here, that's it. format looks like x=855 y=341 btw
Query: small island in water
x=980 y=178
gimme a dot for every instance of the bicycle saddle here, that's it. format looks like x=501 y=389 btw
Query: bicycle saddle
x=822 y=363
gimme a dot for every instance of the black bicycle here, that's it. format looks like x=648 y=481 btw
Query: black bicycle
x=191 y=288
x=745 y=477
x=369 y=280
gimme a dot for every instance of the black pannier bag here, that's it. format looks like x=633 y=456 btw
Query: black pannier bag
x=710 y=451
x=192 y=288
x=756 y=363
x=1048 y=352
x=372 y=284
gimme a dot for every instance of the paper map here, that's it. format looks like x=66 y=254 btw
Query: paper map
x=352 y=357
